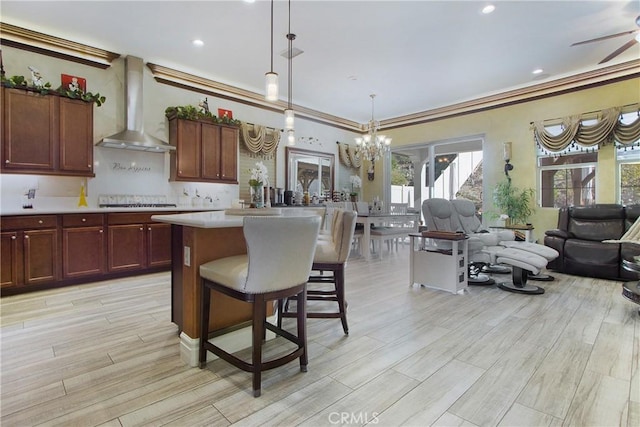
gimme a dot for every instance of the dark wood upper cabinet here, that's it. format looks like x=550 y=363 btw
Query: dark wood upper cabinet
x=46 y=134
x=205 y=152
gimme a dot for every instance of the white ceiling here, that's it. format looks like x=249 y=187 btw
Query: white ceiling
x=415 y=55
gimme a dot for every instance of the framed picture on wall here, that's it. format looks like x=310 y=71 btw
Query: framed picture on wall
x=73 y=83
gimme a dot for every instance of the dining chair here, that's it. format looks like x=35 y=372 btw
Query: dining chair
x=277 y=265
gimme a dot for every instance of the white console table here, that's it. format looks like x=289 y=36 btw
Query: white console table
x=439 y=260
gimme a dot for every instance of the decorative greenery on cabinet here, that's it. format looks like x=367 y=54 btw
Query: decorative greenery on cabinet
x=190 y=112
x=19 y=82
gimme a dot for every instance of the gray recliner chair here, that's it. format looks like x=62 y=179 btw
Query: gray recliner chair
x=440 y=215
x=471 y=225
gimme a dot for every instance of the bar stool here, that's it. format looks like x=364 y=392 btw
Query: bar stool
x=277 y=264
x=330 y=256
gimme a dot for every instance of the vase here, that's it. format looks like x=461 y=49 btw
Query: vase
x=257 y=196
x=354 y=197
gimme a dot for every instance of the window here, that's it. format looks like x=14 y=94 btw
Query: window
x=567 y=178
x=628 y=177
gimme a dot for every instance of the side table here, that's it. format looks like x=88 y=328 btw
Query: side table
x=436 y=267
x=631 y=290
x=526 y=231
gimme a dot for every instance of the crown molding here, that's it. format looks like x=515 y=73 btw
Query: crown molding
x=210 y=87
x=601 y=76
x=33 y=41
x=22 y=38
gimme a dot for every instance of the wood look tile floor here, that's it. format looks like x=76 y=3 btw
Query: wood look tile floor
x=106 y=354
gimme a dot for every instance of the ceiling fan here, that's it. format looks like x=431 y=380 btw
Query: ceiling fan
x=622 y=48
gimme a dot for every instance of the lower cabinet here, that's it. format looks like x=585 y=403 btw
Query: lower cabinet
x=42 y=251
x=136 y=242
x=83 y=245
x=30 y=254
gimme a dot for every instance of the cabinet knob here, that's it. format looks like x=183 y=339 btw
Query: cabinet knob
x=149 y=228
x=141 y=228
x=13 y=237
x=39 y=221
x=84 y=219
x=26 y=236
x=7 y=161
x=101 y=231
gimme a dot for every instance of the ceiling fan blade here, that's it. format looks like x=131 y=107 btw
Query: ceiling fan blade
x=605 y=37
x=619 y=50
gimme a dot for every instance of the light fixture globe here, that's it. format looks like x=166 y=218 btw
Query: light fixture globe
x=289 y=119
x=271 y=86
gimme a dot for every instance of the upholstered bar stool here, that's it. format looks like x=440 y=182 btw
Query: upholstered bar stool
x=330 y=256
x=277 y=265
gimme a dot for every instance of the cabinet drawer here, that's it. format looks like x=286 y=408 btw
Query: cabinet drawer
x=129 y=218
x=82 y=220
x=31 y=222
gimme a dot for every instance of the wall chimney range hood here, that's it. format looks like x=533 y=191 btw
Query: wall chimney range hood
x=134 y=137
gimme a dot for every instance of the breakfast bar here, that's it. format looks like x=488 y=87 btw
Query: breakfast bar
x=196 y=239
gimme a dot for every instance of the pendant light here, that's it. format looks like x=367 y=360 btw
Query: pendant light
x=271 y=78
x=289 y=116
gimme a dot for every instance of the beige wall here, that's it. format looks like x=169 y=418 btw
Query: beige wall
x=512 y=123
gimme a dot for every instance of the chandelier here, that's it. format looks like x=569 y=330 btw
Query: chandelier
x=372 y=146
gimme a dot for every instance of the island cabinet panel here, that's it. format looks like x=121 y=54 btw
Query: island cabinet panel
x=205 y=152
x=46 y=134
x=83 y=245
x=30 y=131
x=30 y=251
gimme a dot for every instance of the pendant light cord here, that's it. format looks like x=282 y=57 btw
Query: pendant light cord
x=290 y=37
x=272 y=36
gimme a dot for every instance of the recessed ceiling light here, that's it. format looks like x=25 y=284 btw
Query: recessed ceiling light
x=488 y=9
x=537 y=71
x=198 y=42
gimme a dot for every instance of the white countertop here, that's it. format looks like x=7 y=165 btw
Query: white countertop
x=220 y=219
x=80 y=210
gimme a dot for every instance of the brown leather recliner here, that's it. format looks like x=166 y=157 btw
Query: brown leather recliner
x=579 y=240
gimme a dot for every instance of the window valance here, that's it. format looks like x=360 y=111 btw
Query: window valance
x=608 y=129
x=259 y=139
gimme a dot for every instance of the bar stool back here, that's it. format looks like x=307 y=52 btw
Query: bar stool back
x=330 y=256
x=277 y=265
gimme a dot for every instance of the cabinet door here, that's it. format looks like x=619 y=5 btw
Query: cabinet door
x=83 y=251
x=126 y=247
x=30 y=131
x=159 y=245
x=210 y=151
x=76 y=136
x=41 y=257
x=188 y=149
x=229 y=154
x=10 y=259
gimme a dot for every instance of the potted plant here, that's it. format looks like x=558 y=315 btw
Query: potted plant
x=513 y=202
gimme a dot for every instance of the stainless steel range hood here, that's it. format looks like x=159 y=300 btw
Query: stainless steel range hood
x=134 y=137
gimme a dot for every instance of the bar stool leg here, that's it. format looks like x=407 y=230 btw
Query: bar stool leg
x=302 y=327
x=205 y=305
x=338 y=276
x=259 y=317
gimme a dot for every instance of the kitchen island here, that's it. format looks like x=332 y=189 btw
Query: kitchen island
x=198 y=238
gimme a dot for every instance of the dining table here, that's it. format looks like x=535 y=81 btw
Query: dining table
x=383 y=219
